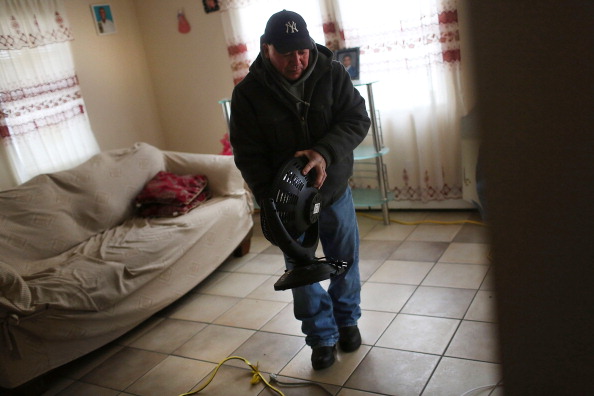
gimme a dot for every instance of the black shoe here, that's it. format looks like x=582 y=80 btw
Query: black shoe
x=322 y=357
x=350 y=338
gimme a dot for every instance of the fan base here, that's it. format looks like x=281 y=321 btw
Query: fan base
x=303 y=275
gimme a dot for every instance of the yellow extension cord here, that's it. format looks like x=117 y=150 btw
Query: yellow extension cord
x=424 y=221
x=256 y=376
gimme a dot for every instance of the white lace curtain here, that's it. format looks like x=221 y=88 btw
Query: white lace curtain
x=412 y=50
x=43 y=123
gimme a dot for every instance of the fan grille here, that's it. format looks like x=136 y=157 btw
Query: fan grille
x=290 y=191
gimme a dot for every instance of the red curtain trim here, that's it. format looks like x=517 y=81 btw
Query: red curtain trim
x=329 y=27
x=236 y=49
x=31 y=126
x=19 y=39
x=452 y=56
x=429 y=193
x=423 y=194
x=412 y=41
x=39 y=89
x=448 y=17
x=4 y=131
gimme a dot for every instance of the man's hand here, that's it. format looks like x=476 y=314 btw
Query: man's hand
x=316 y=162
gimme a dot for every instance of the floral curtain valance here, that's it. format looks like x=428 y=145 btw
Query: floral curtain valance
x=408 y=36
x=20 y=26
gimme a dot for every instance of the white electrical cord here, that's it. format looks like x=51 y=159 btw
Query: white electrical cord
x=492 y=387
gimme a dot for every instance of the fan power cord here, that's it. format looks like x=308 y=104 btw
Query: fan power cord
x=486 y=387
x=274 y=379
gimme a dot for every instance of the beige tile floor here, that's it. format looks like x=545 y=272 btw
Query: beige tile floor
x=428 y=324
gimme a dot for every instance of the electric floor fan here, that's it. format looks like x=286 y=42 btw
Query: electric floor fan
x=289 y=220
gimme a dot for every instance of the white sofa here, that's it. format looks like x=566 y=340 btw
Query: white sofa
x=78 y=268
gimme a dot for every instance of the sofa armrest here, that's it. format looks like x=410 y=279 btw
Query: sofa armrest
x=223 y=176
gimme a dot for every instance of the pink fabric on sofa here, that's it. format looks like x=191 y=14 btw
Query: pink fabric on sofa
x=168 y=194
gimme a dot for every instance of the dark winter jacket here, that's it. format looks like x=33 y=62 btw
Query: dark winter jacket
x=267 y=127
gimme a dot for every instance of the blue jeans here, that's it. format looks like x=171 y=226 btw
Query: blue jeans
x=323 y=312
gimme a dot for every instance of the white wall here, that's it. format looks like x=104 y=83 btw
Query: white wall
x=114 y=77
x=190 y=72
x=148 y=82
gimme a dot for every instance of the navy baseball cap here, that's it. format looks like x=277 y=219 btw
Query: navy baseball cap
x=287 y=31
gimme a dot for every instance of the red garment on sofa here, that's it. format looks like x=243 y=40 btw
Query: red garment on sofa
x=168 y=194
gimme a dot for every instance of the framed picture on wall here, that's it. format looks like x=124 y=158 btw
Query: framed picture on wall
x=103 y=18
x=349 y=57
x=210 y=5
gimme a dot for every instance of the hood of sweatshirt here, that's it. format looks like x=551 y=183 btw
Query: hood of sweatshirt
x=295 y=92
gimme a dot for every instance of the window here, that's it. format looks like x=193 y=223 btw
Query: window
x=43 y=122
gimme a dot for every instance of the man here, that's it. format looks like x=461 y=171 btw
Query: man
x=296 y=101
x=106 y=25
x=347 y=62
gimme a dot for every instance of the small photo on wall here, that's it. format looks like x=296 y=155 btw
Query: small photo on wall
x=103 y=18
x=349 y=57
x=210 y=5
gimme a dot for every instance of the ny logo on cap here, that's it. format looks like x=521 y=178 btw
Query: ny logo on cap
x=292 y=25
